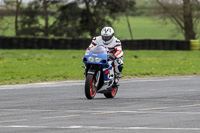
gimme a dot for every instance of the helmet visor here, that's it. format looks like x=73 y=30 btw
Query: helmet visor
x=106 y=38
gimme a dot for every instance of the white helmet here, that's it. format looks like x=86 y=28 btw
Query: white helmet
x=107 y=34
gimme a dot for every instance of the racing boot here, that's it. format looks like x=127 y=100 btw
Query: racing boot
x=117 y=77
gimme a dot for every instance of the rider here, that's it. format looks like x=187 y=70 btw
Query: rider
x=113 y=44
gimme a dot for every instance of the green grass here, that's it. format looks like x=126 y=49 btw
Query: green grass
x=146 y=28
x=28 y=66
x=161 y=63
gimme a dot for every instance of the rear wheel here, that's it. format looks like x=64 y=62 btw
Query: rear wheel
x=112 y=92
x=90 y=89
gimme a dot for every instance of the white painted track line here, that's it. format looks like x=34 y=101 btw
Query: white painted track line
x=98 y=127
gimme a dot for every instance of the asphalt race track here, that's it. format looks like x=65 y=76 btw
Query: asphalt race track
x=150 y=105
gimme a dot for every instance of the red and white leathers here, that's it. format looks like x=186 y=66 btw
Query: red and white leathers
x=114 y=47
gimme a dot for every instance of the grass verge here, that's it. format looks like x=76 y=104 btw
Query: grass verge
x=28 y=66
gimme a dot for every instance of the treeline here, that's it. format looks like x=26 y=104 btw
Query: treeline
x=75 y=19
x=85 y=18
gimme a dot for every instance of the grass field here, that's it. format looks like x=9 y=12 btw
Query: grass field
x=142 y=28
x=28 y=66
x=146 y=28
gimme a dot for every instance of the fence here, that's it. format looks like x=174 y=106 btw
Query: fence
x=63 y=43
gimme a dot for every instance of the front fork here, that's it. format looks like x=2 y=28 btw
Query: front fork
x=98 y=74
x=92 y=71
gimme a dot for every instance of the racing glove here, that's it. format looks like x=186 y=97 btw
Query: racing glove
x=111 y=56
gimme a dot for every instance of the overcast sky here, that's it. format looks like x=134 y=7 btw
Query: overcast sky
x=24 y=1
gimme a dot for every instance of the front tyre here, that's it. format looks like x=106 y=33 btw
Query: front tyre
x=90 y=89
x=112 y=92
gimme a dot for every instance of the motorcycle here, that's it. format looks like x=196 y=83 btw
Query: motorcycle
x=99 y=73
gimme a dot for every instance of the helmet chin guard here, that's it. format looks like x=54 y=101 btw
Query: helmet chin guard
x=107 y=34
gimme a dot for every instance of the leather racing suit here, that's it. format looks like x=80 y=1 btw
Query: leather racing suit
x=115 y=48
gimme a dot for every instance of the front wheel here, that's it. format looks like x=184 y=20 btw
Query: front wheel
x=112 y=92
x=90 y=89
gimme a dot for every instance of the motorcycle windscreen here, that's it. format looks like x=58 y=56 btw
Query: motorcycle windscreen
x=98 y=49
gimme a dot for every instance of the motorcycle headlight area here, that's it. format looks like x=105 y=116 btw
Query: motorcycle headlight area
x=94 y=59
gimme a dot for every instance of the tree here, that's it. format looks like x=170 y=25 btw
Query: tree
x=181 y=13
x=68 y=21
x=99 y=13
x=79 y=18
x=46 y=31
x=46 y=4
x=88 y=16
x=18 y=4
x=128 y=9
x=14 y=6
x=32 y=14
x=29 y=24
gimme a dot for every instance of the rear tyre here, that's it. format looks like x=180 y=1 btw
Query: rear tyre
x=112 y=92
x=90 y=89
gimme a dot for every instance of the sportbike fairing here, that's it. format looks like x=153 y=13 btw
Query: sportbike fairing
x=97 y=56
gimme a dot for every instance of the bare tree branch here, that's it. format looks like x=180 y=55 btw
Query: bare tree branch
x=171 y=14
x=182 y=17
